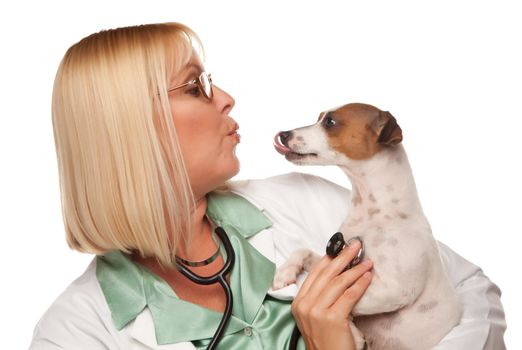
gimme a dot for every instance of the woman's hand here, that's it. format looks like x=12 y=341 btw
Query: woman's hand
x=326 y=298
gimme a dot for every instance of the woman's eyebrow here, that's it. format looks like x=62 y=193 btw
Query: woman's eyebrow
x=191 y=70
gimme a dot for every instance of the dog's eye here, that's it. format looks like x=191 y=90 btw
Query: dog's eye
x=329 y=122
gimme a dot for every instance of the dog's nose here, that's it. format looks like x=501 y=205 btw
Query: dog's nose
x=285 y=136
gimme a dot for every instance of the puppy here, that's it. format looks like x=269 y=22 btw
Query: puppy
x=410 y=303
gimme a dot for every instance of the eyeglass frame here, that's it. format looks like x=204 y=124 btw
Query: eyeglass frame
x=197 y=82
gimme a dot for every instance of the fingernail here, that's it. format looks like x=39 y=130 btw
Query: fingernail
x=368 y=262
x=355 y=244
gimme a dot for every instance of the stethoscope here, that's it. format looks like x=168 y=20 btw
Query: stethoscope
x=334 y=247
x=218 y=277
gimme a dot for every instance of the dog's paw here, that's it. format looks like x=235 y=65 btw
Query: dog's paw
x=285 y=276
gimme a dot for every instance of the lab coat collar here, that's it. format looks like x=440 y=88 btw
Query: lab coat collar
x=138 y=297
x=232 y=210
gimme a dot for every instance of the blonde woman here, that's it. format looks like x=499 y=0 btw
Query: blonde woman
x=145 y=148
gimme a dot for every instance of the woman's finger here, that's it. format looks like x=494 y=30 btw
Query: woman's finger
x=345 y=303
x=313 y=273
x=341 y=283
x=340 y=263
x=323 y=278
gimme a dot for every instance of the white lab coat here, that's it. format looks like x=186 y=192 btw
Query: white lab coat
x=305 y=210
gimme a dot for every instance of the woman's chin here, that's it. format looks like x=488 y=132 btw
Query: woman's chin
x=229 y=168
x=236 y=167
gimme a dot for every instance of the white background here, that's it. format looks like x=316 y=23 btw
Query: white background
x=449 y=71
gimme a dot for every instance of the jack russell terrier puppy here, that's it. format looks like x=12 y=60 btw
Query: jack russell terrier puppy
x=410 y=302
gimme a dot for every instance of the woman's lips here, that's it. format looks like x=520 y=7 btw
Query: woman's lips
x=236 y=136
x=234 y=129
x=234 y=133
x=279 y=146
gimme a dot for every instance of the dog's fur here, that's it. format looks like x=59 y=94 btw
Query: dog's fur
x=410 y=303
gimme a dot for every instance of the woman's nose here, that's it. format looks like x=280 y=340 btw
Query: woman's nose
x=223 y=101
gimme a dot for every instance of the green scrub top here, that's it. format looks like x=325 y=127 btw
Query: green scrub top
x=258 y=320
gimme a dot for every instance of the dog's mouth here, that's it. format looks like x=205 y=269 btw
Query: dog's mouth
x=288 y=152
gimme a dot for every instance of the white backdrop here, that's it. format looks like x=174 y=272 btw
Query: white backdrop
x=449 y=71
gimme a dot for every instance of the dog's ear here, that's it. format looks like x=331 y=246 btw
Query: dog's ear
x=385 y=125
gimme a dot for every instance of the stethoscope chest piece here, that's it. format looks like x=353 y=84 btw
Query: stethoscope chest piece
x=337 y=243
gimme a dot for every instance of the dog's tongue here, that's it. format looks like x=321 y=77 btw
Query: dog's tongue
x=279 y=146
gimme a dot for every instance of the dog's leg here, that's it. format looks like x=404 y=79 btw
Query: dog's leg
x=358 y=336
x=286 y=274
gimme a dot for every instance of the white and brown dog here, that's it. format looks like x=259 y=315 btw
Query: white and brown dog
x=410 y=303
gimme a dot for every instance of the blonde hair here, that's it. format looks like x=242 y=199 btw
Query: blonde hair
x=123 y=181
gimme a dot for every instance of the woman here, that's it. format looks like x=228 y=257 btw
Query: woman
x=145 y=147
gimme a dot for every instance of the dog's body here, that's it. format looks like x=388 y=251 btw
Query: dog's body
x=410 y=303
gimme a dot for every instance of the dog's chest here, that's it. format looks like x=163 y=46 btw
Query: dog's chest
x=394 y=245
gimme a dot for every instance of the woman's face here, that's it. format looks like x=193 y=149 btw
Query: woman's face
x=203 y=127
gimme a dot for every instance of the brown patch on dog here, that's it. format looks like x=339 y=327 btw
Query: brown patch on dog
x=386 y=216
x=299 y=138
x=362 y=130
x=372 y=198
x=392 y=241
x=402 y=215
x=372 y=212
x=427 y=306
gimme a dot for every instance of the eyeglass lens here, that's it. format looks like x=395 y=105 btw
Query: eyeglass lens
x=205 y=82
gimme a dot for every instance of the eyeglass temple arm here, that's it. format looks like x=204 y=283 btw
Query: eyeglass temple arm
x=180 y=86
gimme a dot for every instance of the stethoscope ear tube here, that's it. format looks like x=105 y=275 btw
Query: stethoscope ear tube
x=218 y=277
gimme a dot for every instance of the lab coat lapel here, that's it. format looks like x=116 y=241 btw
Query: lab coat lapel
x=263 y=242
x=142 y=331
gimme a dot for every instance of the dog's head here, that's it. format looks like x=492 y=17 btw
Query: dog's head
x=354 y=131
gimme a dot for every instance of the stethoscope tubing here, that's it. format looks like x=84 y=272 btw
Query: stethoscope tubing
x=218 y=277
x=334 y=247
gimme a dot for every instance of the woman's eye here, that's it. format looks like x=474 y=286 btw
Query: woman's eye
x=194 y=91
x=329 y=122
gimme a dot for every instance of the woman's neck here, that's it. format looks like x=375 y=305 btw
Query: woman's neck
x=202 y=245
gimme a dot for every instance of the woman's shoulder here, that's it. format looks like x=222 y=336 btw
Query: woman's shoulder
x=79 y=317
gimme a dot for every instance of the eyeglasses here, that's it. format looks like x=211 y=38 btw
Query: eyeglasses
x=203 y=81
